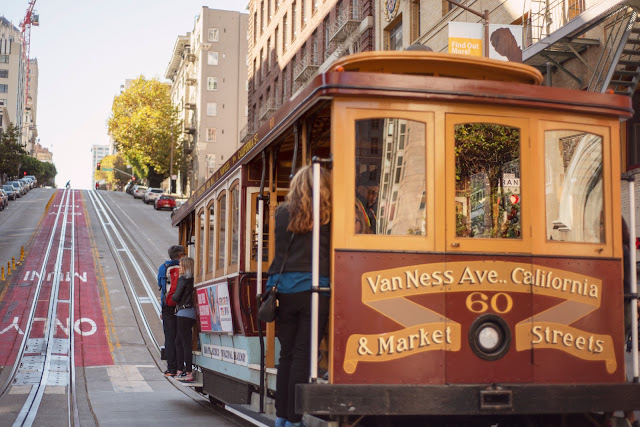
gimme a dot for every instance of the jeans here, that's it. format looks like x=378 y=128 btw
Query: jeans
x=169 y=326
x=183 y=343
x=294 y=334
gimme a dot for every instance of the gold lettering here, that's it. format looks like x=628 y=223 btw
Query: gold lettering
x=436 y=336
x=412 y=278
x=467 y=276
x=386 y=346
x=425 y=280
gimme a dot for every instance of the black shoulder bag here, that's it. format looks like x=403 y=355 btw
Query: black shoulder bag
x=268 y=310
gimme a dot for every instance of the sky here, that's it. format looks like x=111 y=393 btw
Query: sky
x=85 y=51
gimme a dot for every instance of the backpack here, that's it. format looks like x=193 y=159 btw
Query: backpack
x=173 y=272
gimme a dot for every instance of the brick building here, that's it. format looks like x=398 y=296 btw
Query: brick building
x=290 y=41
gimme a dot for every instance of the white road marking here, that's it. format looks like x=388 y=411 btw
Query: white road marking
x=127 y=379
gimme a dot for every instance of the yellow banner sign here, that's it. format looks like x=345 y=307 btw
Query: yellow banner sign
x=386 y=290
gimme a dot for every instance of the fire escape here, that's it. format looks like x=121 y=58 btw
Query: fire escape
x=560 y=30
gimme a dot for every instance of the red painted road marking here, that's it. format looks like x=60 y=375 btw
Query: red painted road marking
x=91 y=346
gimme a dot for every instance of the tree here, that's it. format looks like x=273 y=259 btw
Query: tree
x=11 y=152
x=483 y=148
x=114 y=177
x=144 y=123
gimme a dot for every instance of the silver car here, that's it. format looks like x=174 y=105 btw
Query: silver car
x=138 y=191
x=152 y=194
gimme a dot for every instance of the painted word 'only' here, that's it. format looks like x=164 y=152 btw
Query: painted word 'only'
x=92 y=327
x=65 y=277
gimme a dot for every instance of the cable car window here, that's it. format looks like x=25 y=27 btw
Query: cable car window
x=233 y=259
x=574 y=186
x=212 y=238
x=201 y=244
x=222 y=223
x=487 y=181
x=390 y=147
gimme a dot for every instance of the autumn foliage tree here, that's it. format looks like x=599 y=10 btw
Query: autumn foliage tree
x=144 y=124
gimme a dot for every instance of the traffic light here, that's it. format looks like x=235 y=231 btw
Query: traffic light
x=25 y=173
x=98 y=166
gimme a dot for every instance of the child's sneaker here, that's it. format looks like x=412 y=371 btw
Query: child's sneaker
x=188 y=378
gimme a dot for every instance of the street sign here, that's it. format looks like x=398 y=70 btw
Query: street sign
x=107 y=169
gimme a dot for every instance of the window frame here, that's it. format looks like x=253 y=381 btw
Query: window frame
x=454 y=243
x=349 y=111
x=611 y=225
x=200 y=234
x=235 y=185
x=211 y=252
x=220 y=270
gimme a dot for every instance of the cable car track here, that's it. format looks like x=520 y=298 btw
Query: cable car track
x=114 y=232
x=40 y=359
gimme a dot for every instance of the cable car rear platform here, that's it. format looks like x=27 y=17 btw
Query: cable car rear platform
x=465 y=399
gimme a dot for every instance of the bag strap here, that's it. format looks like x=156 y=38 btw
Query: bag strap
x=284 y=261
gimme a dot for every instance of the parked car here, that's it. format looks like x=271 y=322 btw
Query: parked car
x=138 y=191
x=27 y=182
x=18 y=187
x=165 y=202
x=35 y=180
x=129 y=187
x=11 y=191
x=152 y=194
x=4 y=200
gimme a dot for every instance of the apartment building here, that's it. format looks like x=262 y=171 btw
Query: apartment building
x=42 y=153
x=207 y=70
x=290 y=41
x=29 y=128
x=99 y=152
x=12 y=76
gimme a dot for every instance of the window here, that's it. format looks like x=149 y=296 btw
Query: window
x=284 y=84
x=574 y=186
x=268 y=54
x=397 y=209
x=314 y=48
x=212 y=83
x=211 y=134
x=4 y=59
x=268 y=11
x=211 y=248
x=222 y=231
x=213 y=35
x=255 y=27
x=261 y=64
x=354 y=9
x=234 y=206
x=200 y=244
x=261 y=17
x=487 y=180
x=276 y=92
x=327 y=36
x=275 y=42
x=303 y=14
x=395 y=36
x=294 y=9
x=212 y=58
x=212 y=108
x=284 y=33
x=314 y=6
x=4 y=73
x=4 y=88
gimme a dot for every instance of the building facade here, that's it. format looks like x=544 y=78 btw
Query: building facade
x=12 y=76
x=207 y=70
x=99 y=152
x=42 y=153
x=290 y=41
x=29 y=127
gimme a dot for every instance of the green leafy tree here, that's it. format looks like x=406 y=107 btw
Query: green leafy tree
x=145 y=124
x=488 y=148
x=49 y=173
x=11 y=152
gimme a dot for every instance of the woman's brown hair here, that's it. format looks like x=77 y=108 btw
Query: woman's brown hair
x=300 y=200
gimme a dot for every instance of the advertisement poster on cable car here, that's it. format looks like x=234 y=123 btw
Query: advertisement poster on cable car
x=215 y=308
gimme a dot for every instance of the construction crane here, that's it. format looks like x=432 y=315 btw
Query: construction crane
x=31 y=18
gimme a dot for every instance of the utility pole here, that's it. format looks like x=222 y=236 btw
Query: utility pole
x=485 y=23
x=172 y=181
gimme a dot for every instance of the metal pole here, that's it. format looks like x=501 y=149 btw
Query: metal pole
x=315 y=273
x=486 y=33
x=634 y=280
x=171 y=190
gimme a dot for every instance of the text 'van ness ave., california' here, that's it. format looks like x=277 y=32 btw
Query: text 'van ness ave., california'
x=480 y=275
